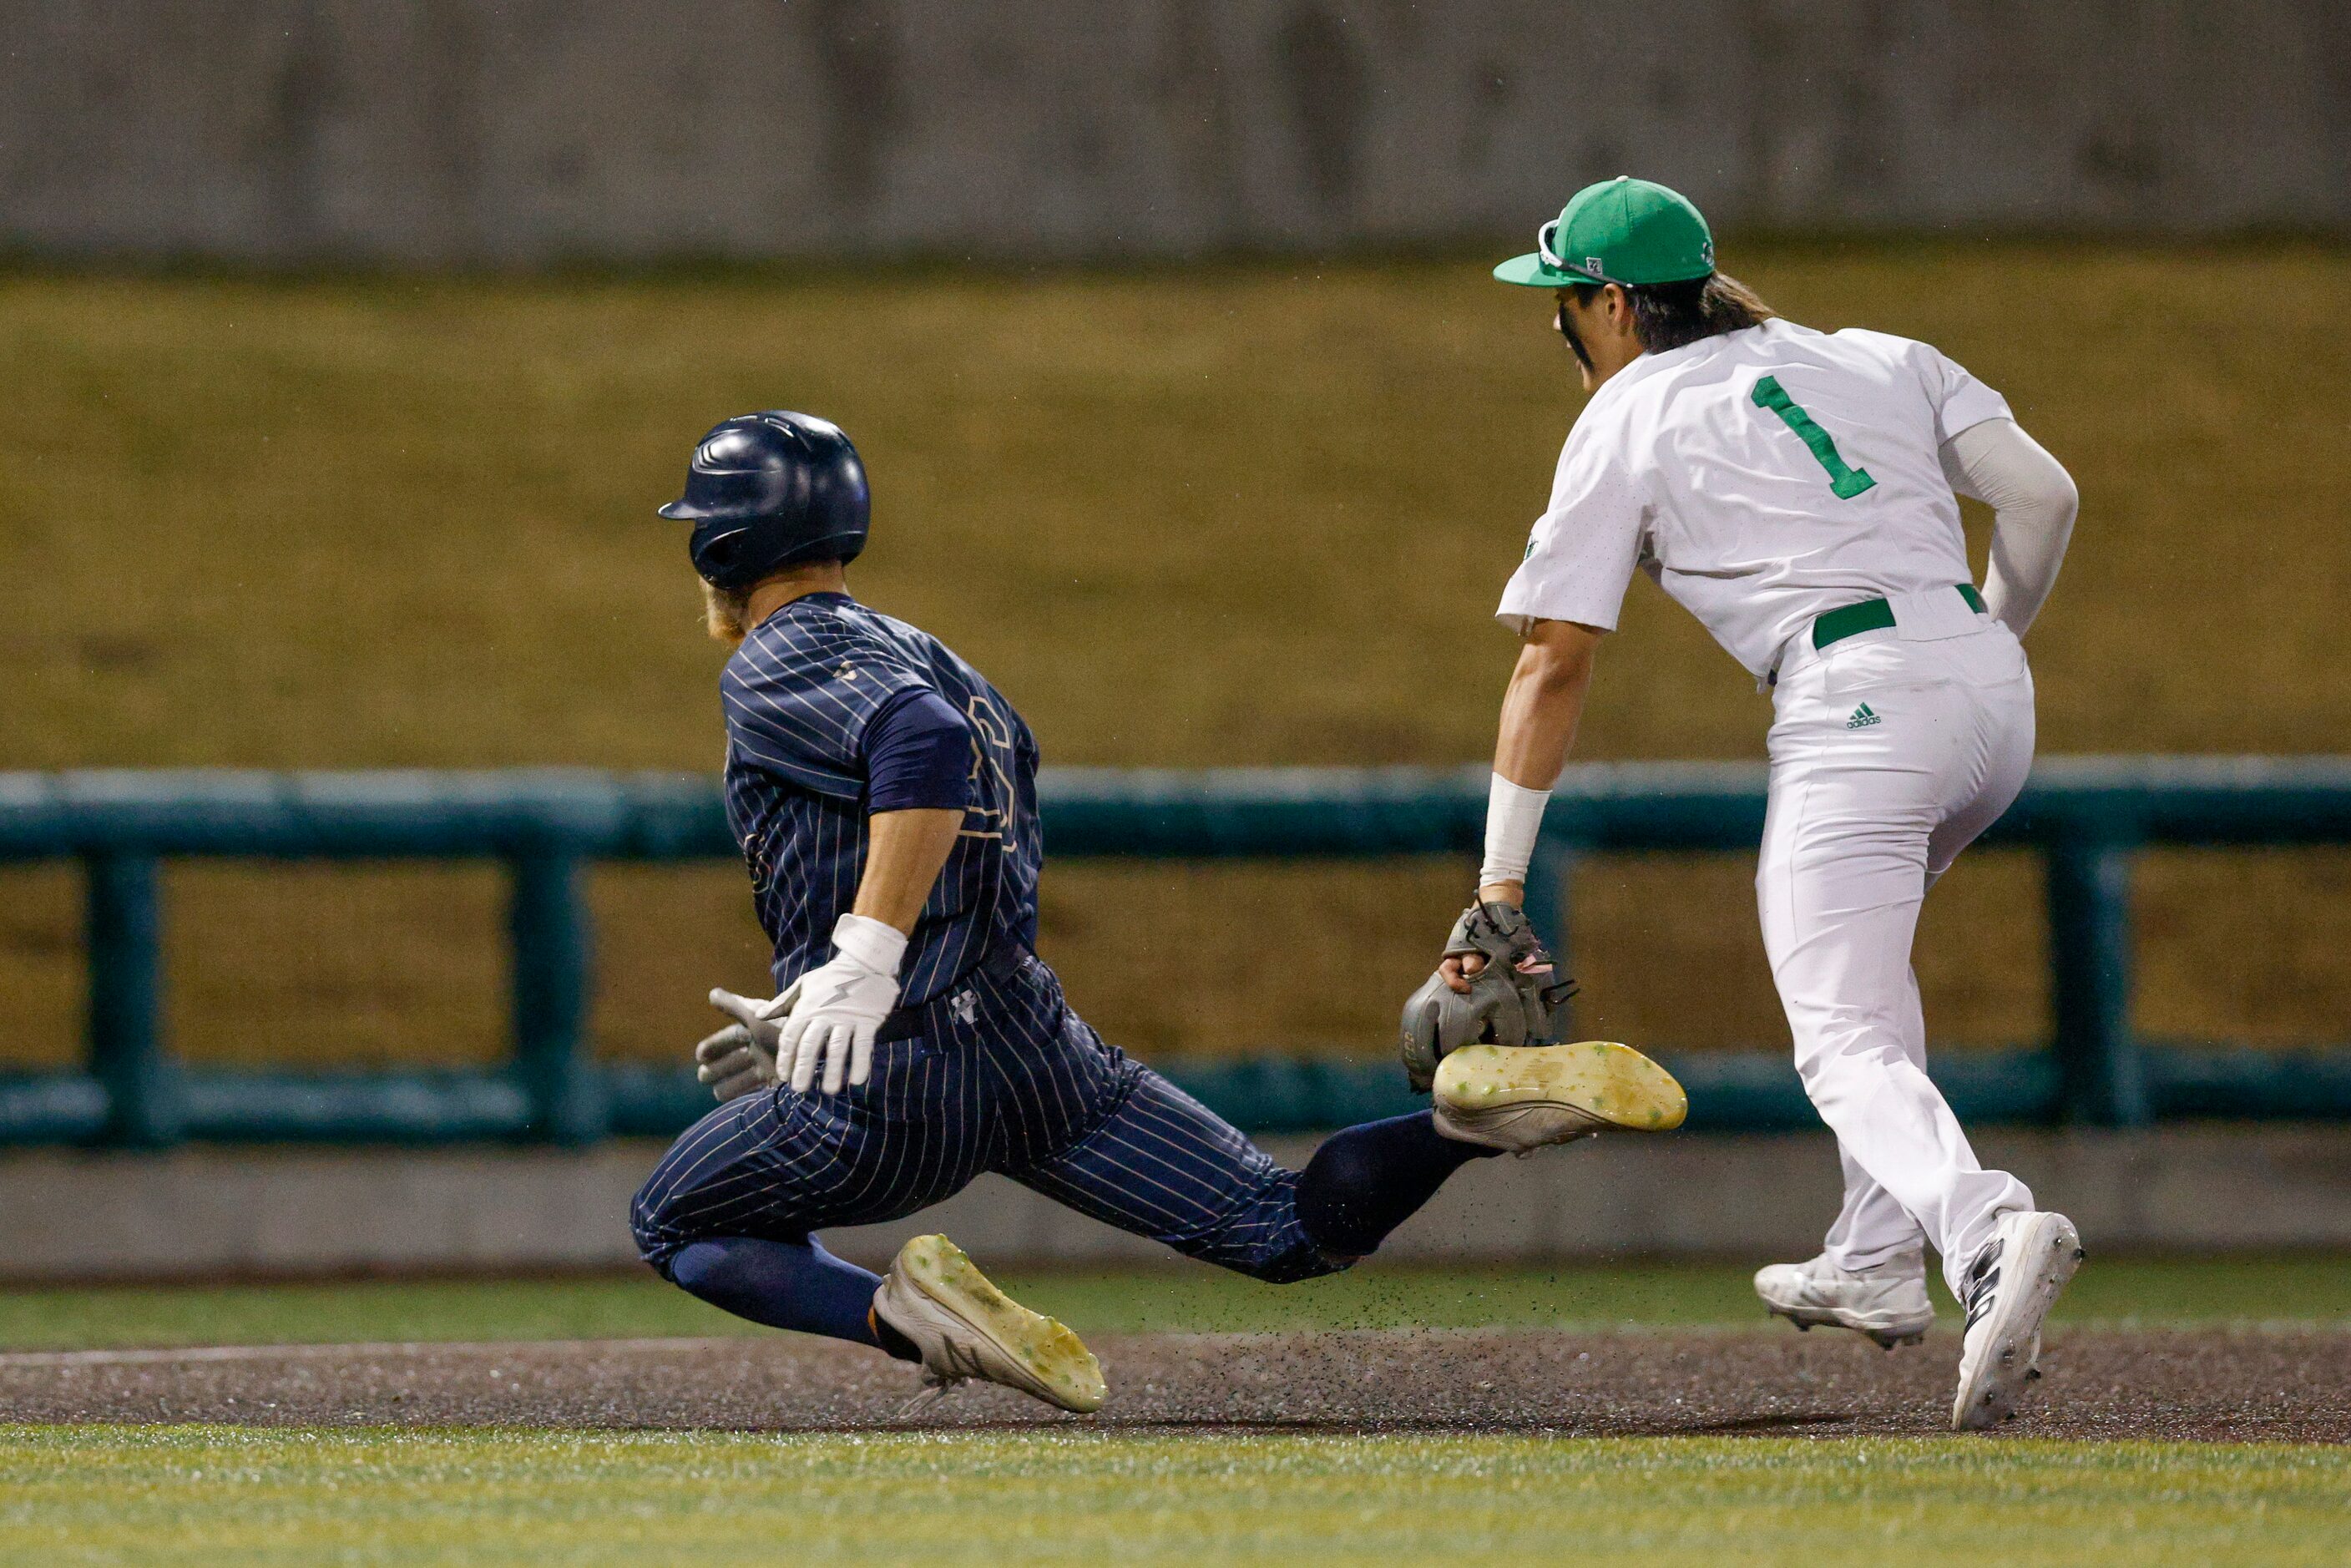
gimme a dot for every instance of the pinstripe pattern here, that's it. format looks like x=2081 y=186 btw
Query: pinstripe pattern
x=797 y=696
x=1004 y=1078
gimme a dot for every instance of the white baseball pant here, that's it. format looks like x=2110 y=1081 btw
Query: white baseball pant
x=1890 y=752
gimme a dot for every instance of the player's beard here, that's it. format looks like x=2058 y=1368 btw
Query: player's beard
x=725 y=613
x=1575 y=344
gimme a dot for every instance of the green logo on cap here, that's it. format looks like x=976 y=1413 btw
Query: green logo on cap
x=1624 y=231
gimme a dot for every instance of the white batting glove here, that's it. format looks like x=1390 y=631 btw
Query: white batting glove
x=830 y=1016
x=741 y=1057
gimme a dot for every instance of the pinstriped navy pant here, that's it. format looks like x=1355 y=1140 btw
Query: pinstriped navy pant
x=1005 y=1078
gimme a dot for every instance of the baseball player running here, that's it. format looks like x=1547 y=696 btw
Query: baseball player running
x=1793 y=490
x=884 y=796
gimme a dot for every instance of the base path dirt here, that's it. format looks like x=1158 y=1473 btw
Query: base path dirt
x=2286 y=1385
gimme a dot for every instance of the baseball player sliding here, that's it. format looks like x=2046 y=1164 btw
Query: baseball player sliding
x=1794 y=490
x=884 y=796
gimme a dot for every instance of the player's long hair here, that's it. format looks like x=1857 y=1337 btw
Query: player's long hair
x=1670 y=315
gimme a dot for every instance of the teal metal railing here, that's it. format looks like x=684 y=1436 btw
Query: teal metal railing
x=2086 y=817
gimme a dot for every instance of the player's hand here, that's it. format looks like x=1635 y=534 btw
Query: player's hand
x=1494 y=983
x=1456 y=973
x=1459 y=969
x=741 y=1057
x=830 y=1015
x=839 y=1010
x=732 y=1064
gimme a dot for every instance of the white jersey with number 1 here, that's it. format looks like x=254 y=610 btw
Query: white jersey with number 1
x=1762 y=477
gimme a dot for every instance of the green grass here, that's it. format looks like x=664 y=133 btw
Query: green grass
x=208 y=1495
x=1185 y=1299
x=197 y=1495
x=1654 y=1295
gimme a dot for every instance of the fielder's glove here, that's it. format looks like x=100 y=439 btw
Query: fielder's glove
x=1509 y=1000
x=741 y=1057
x=830 y=1015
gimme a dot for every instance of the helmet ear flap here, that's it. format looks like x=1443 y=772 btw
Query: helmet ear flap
x=715 y=558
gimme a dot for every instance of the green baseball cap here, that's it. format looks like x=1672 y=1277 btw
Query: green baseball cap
x=1622 y=231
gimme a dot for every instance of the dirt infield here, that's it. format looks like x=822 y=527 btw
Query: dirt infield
x=2287 y=1384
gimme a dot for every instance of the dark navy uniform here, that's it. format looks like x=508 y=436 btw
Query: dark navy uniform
x=984 y=1067
x=799 y=695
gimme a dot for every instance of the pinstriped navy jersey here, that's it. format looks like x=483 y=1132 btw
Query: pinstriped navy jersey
x=799 y=695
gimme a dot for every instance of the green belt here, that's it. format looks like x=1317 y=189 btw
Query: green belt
x=1872 y=615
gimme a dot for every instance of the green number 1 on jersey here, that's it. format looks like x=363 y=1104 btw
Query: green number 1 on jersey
x=1846 y=481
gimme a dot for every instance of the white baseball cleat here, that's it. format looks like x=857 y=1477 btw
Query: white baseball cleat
x=2008 y=1290
x=1888 y=1304
x=1520 y=1097
x=966 y=1327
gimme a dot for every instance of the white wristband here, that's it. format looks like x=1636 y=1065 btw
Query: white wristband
x=1513 y=821
x=875 y=944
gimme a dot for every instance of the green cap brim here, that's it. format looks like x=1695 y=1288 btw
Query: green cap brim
x=1533 y=271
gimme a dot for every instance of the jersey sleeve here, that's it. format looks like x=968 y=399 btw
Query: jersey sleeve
x=917 y=755
x=1960 y=400
x=1584 y=547
x=802 y=710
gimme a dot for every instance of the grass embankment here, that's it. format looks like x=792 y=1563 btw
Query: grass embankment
x=211 y=1495
x=1187 y=1300
x=1218 y=516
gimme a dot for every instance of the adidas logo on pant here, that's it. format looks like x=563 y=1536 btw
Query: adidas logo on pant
x=1863 y=717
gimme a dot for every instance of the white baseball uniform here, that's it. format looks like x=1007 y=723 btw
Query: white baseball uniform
x=1763 y=478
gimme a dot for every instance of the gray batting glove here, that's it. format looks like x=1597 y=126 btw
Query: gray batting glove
x=740 y=1058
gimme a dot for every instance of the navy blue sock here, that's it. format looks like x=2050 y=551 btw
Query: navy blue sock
x=787 y=1285
x=1365 y=1181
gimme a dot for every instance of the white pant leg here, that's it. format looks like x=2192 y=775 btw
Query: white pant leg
x=1871 y=1226
x=1863 y=802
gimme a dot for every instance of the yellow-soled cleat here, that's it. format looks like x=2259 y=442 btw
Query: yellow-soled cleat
x=966 y=1328
x=1520 y=1097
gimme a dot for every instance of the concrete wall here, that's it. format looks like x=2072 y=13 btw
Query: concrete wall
x=518 y=131
x=260 y=1213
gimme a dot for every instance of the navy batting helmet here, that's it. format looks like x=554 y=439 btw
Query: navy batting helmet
x=767 y=491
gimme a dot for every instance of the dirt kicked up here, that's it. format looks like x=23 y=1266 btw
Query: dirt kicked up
x=2282 y=1384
